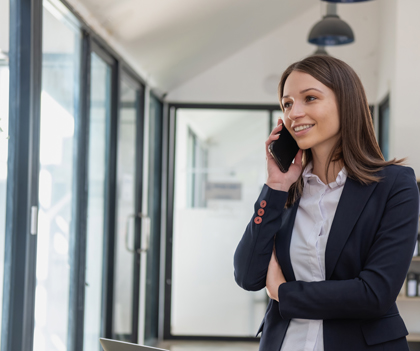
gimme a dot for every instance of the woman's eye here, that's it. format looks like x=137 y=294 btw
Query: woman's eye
x=287 y=104
x=310 y=98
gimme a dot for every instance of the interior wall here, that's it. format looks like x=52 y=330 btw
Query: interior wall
x=386 y=49
x=251 y=75
x=405 y=123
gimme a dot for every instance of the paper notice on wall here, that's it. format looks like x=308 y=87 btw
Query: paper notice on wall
x=223 y=191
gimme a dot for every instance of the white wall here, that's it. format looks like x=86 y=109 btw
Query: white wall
x=405 y=120
x=386 y=49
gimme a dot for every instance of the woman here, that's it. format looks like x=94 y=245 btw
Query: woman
x=332 y=239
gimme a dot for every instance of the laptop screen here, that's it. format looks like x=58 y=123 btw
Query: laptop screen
x=115 y=345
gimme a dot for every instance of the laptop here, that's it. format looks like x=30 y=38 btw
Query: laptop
x=115 y=345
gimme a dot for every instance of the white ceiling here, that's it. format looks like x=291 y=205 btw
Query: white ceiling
x=174 y=40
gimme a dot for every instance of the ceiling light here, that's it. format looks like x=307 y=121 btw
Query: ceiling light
x=345 y=1
x=331 y=30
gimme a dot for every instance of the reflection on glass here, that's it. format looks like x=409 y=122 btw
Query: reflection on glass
x=99 y=118
x=4 y=120
x=126 y=166
x=60 y=69
x=230 y=179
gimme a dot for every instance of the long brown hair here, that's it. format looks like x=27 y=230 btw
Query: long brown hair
x=356 y=147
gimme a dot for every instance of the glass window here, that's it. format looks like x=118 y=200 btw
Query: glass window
x=60 y=85
x=124 y=239
x=227 y=171
x=99 y=118
x=4 y=118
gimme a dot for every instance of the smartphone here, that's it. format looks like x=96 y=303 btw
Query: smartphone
x=284 y=150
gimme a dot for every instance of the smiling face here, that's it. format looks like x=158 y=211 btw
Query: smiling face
x=310 y=112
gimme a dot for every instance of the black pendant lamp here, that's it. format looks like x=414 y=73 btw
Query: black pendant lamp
x=344 y=1
x=331 y=30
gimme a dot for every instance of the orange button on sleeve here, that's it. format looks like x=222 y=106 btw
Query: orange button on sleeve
x=261 y=212
x=263 y=203
x=258 y=220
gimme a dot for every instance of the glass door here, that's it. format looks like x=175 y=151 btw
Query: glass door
x=99 y=122
x=219 y=172
x=59 y=109
x=128 y=208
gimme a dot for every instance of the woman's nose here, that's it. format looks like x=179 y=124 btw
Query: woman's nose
x=296 y=111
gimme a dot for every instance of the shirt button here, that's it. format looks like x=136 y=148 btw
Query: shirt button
x=263 y=203
x=260 y=212
x=258 y=220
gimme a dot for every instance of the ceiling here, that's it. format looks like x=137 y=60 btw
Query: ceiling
x=175 y=40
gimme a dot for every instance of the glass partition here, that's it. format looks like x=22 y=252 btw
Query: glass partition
x=4 y=119
x=59 y=105
x=219 y=172
x=100 y=99
x=124 y=237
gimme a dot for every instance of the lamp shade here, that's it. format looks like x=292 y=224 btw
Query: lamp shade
x=331 y=30
x=344 y=1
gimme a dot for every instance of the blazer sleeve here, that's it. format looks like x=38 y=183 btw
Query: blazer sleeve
x=253 y=252
x=375 y=290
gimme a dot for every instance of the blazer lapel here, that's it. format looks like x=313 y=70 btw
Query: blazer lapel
x=352 y=201
x=283 y=242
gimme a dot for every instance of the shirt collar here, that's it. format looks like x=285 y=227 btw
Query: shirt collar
x=340 y=180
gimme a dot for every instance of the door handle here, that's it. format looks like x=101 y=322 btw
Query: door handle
x=145 y=247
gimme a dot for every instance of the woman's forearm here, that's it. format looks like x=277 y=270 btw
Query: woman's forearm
x=253 y=253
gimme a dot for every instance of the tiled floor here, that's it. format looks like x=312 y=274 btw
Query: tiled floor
x=208 y=346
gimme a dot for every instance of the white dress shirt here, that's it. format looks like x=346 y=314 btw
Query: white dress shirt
x=312 y=225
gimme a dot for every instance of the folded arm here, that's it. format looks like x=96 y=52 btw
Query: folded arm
x=254 y=251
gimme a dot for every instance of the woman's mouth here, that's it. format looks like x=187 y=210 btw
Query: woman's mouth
x=303 y=129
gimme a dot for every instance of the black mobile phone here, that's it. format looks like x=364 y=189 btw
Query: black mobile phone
x=284 y=150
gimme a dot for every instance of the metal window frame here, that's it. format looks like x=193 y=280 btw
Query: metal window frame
x=153 y=262
x=383 y=105
x=25 y=63
x=110 y=207
x=168 y=189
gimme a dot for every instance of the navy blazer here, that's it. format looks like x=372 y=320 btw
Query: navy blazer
x=368 y=253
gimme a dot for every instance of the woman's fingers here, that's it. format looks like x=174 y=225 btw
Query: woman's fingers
x=274 y=135
x=277 y=129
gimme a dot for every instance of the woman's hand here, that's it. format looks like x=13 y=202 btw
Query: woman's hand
x=277 y=179
x=274 y=278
